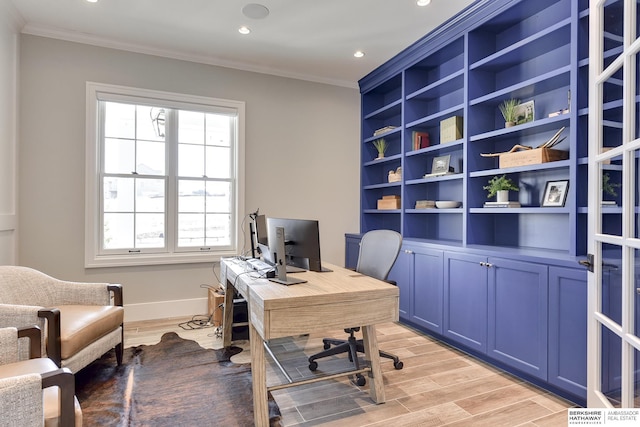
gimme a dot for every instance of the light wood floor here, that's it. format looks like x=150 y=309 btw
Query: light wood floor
x=437 y=386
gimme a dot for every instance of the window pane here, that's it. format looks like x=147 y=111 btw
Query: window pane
x=120 y=120
x=149 y=230
x=150 y=159
x=191 y=196
x=119 y=155
x=218 y=230
x=150 y=195
x=218 y=130
x=190 y=230
x=190 y=127
x=218 y=197
x=218 y=162
x=118 y=194
x=118 y=230
x=190 y=160
x=150 y=123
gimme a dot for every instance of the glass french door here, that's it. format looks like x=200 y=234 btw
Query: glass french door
x=613 y=343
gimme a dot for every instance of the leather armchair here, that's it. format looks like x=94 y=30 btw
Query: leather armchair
x=34 y=392
x=81 y=321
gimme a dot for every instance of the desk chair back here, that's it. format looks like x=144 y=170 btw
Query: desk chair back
x=378 y=252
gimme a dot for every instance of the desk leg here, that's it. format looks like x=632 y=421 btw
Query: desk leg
x=259 y=379
x=227 y=315
x=376 y=384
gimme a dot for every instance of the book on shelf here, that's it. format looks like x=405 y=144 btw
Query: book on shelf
x=420 y=139
x=502 y=204
x=383 y=130
x=425 y=204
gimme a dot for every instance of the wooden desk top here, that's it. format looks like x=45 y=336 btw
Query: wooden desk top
x=340 y=298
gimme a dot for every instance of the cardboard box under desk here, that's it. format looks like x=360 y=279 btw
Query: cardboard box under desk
x=532 y=157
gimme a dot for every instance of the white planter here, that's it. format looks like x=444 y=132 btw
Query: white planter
x=502 y=196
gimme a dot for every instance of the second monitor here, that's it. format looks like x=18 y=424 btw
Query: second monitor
x=302 y=242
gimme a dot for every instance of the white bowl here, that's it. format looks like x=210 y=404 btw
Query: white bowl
x=447 y=204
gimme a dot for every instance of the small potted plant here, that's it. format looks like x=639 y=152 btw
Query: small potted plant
x=508 y=108
x=381 y=146
x=609 y=188
x=499 y=186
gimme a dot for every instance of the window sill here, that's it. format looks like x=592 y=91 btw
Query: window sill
x=154 y=259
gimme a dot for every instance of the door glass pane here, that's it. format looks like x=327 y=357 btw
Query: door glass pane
x=611 y=366
x=611 y=179
x=636 y=389
x=612 y=282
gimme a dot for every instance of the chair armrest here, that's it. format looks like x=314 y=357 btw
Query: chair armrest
x=34 y=334
x=64 y=379
x=117 y=293
x=54 y=344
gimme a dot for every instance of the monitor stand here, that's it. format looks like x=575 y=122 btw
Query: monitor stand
x=281 y=265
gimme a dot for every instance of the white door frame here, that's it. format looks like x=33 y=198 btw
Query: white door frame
x=627 y=242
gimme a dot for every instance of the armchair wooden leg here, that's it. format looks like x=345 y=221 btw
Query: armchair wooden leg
x=119 y=352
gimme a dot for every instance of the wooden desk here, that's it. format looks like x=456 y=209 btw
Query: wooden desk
x=338 y=299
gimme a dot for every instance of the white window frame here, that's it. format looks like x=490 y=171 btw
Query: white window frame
x=96 y=92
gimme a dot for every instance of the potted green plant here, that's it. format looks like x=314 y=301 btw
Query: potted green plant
x=609 y=188
x=381 y=145
x=509 y=108
x=499 y=186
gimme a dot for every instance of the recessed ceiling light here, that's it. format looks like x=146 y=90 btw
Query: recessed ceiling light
x=92 y=1
x=359 y=54
x=244 y=30
x=423 y=2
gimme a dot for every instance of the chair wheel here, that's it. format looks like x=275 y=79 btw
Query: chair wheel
x=313 y=366
x=326 y=346
x=360 y=380
x=398 y=365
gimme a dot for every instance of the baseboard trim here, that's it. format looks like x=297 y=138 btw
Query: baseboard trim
x=165 y=309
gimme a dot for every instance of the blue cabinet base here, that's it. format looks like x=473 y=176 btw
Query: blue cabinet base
x=581 y=401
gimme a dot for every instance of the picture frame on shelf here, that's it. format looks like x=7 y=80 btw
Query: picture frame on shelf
x=555 y=193
x=440 y=165
x=525 y=112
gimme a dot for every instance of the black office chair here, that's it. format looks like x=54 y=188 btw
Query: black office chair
x=378 y=252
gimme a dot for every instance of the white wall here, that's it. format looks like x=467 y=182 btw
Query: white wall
x=8 y=136
x=301 y=137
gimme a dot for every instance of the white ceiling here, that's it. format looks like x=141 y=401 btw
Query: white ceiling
x=307 y=39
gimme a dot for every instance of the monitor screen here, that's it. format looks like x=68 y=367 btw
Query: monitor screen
x=302 y=241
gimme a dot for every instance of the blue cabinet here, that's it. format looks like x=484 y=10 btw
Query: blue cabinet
x=465 y=299
x=418 y=273
x=518 y=318
x=568 y=329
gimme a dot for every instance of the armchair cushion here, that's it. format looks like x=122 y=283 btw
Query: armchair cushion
x=81 y=325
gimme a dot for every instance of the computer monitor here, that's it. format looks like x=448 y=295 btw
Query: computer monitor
x=302 y=241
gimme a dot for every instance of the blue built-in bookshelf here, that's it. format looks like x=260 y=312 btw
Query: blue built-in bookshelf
x=461 y=268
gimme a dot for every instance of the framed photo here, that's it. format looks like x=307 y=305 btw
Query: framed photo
x=525 y=112
x=440 y=164
x=555 y=193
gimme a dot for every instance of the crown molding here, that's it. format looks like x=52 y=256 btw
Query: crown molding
x=13 y=17
x=55 y=33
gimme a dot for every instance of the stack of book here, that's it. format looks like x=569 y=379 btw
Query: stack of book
x=501 y=204
x=420 y=140
x=425 y=204
x=383 y=130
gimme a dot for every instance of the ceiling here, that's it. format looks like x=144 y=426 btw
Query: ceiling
x=307 y=39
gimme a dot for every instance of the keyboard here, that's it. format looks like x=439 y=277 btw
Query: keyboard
x=259 y=265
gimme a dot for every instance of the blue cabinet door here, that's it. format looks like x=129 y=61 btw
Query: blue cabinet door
x=427 y=289
x=568 y=329
x=465 y=299
x=402 y=274
x=517 y=315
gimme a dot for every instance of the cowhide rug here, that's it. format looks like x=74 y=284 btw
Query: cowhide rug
x=173 y=383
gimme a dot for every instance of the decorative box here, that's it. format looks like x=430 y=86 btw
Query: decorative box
x=395 y=176
x=532 y=157
x=389 y=202
x=451 y=129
